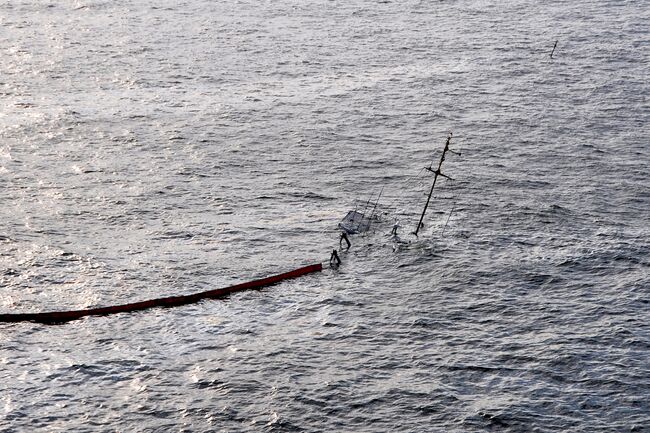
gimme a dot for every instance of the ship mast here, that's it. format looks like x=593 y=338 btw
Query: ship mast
x=436 y=173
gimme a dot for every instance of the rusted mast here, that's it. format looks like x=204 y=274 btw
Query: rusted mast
x=436 y=173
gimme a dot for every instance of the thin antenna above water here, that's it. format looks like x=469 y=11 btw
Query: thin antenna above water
x=376 y=202
x=554 y=48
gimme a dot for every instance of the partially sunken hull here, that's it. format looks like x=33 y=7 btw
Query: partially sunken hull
x=355 y=222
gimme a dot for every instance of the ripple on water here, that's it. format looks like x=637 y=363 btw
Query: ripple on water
x=170 y=150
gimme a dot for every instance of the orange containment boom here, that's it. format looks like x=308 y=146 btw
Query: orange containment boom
x=172 y=301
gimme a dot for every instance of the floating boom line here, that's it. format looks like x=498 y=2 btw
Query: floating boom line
x=171 y=301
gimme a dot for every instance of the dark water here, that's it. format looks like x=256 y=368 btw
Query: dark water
x=157 y=148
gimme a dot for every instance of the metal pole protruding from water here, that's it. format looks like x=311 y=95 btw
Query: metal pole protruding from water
x=344 y=237
x=436 y=173
x=554 y=48
x=335 y=261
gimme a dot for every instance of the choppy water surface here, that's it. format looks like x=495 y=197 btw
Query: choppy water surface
x=157 y=148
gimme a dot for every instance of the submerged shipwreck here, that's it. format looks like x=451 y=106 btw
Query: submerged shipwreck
x=360 y=220
x=356 y=221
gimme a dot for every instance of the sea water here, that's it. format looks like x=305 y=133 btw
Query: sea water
x=150 y=149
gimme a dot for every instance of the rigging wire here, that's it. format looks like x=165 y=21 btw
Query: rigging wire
x=455 y=194
x=410 y=181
